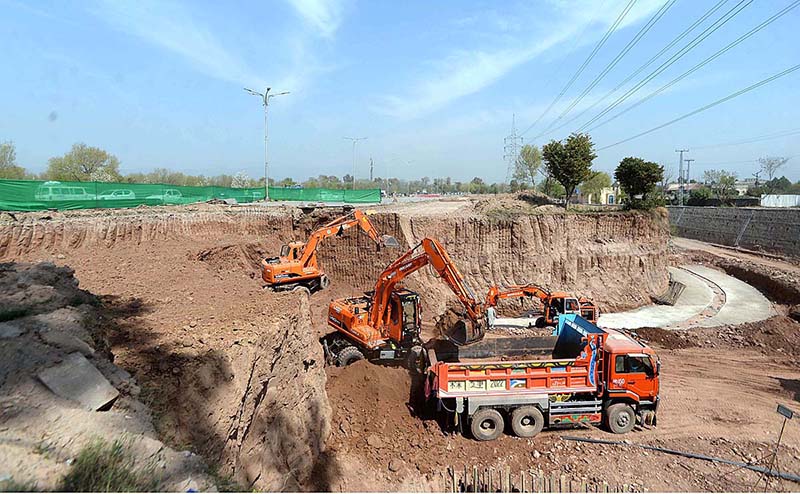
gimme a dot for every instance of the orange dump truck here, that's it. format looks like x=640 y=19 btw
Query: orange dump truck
x=595 y=376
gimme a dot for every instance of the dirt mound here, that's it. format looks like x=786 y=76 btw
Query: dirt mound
x=28 y=289
x=242 y=257
x=667 y=339
x=507 y=206
x=776 y=335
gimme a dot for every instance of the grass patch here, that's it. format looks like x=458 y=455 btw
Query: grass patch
x=11 y=485
x=104 y=467
x=11 y=314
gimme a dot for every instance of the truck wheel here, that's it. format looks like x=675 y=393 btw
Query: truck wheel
x=620 y=418
x=527 y=421
x=324 y=282
x=348 y=355
x=487 y=424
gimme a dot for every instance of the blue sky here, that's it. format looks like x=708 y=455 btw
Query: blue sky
x=433 y=85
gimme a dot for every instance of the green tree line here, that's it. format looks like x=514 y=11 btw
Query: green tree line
x=557 y=170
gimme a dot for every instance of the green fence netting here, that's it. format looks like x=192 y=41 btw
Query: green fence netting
x=324 y=195
x=36 y=195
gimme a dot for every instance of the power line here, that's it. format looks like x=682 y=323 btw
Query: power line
x=703 y=63
x=633 y=42
x=730 y=14
x=708 y=106
x=580 y=70
x=655 y=57
x=765 y=137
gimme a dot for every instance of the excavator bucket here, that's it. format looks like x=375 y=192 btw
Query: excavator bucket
x=465 y=332
x=389 y=241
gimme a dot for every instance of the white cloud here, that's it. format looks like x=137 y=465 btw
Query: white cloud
x=171 y=26
x=323 y=15
x=466 y=72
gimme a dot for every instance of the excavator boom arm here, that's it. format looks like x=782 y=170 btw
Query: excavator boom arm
x=434 y=254
x=336 y=227
x=515 y=291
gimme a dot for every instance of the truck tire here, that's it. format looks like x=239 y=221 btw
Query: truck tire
x=527 y=421
x=487 y=424
x=324 y=282
x=620 y=418
x=348 y=355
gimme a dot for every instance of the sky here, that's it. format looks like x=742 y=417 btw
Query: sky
x=432 y=86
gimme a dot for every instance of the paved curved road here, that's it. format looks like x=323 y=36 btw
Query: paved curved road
x=711 y=298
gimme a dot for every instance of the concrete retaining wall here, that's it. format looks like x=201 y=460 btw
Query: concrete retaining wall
x=776 y=230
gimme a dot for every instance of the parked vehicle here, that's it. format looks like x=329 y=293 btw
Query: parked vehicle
x=116 y=195
x=56 y=191
x=595 y=376
x=172 y=196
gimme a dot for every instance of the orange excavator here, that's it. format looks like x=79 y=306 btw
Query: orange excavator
x=384 y=324
x=297 y=268
x=554 y=303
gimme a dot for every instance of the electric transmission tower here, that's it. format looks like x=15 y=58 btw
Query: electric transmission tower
x=511 y=148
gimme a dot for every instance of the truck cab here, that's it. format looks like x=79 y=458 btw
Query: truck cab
x=632 y=369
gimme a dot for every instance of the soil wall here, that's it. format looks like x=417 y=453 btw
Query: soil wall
x=616 y=259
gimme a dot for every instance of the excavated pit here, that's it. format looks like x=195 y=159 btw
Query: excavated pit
x=235 y=371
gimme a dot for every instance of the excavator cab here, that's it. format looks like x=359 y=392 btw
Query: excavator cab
x=404 y=317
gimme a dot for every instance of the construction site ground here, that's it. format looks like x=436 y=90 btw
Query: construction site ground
x=174 y=303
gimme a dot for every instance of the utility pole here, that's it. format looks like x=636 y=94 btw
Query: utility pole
x=371 y=166
x=355 y=140
x=265 y=97
x=756 y=174
x=511 y=145
x=680 y=176
x=688 y=168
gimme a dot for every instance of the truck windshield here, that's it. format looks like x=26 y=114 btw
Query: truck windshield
x=626 y=364
x=285 y=251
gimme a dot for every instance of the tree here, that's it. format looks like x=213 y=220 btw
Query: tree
x=83 y=162
x=569 y=162
x=779 y=185
x=594 y=185
x=477 y=186
x=550 y=187
x=770 y=165
x=8 y=162
x=240 y=180
x=527 y=165
x=699 y=197
x=638 y=178
x=723 y=183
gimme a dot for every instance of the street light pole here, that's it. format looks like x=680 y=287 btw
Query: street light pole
x=355 y=140
x=265 y=96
